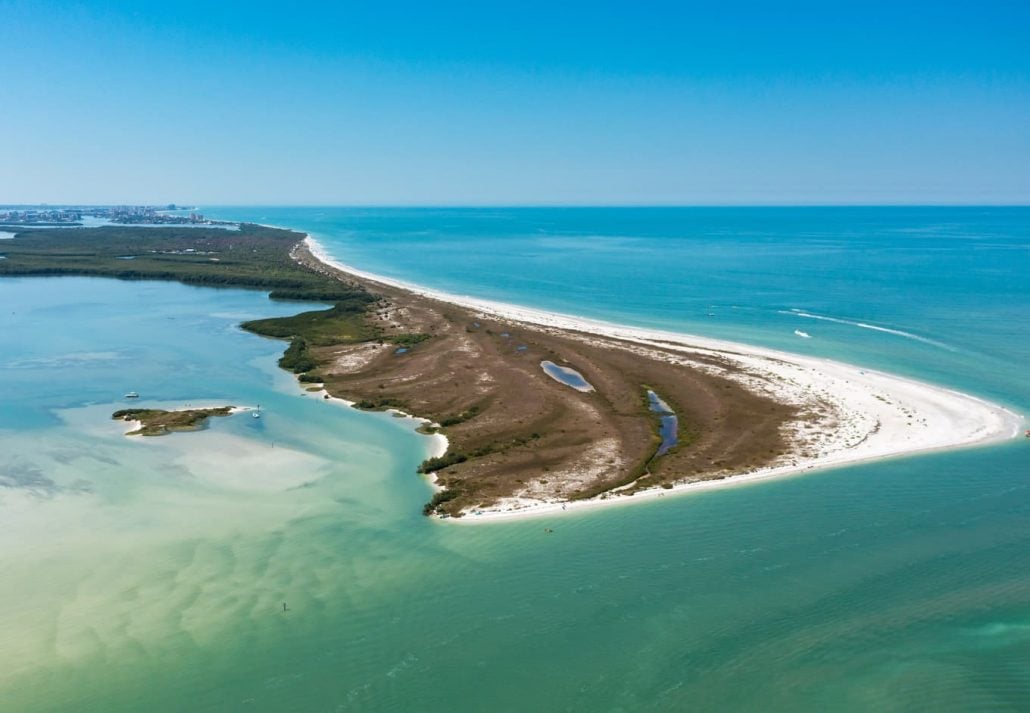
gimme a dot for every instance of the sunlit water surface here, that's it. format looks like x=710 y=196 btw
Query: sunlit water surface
x=150 y=574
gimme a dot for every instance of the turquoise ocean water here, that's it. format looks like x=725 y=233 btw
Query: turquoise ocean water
x=151 y=575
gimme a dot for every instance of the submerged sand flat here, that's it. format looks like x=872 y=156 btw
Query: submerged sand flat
x=145 y=542
x=876 y=415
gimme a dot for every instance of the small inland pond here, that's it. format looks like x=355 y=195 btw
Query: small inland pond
x=668 y=427
x=566 y=375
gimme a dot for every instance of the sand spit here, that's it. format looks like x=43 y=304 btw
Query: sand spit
x=875 y=415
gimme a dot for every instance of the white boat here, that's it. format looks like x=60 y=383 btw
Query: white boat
x=132 y=395
x=804 y=335
x=256 y=414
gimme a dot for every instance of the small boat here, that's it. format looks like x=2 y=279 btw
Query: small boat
x=804 y=335
x=132 y=395
x=256 y=414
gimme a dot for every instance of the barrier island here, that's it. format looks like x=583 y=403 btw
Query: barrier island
x=522 y=438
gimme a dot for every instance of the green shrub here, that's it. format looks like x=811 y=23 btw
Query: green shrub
x=439 y=499
x=461 y=417
x=296 y=358
x=373 y=404
x=431 y=465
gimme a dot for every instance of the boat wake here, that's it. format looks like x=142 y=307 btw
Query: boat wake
x=866 y=325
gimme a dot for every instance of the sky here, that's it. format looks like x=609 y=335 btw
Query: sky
x=515 y=103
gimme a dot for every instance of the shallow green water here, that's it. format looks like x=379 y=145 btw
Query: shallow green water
x=150 y=575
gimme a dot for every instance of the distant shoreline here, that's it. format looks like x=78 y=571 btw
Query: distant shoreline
x=900 y=416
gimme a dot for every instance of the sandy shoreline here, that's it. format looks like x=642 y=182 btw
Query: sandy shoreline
x=882 y=415
x=438 y=442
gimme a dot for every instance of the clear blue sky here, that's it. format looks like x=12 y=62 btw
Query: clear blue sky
x=515 y=102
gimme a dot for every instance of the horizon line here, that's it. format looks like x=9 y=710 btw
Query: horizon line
x=197 y=204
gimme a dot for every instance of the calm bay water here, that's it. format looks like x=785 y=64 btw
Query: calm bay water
x=152 y=574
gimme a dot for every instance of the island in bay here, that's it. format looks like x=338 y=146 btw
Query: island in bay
x=533 y=411
x=159 y=422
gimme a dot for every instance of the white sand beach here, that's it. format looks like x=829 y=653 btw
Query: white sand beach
x=437 y=441
x=874 y=415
